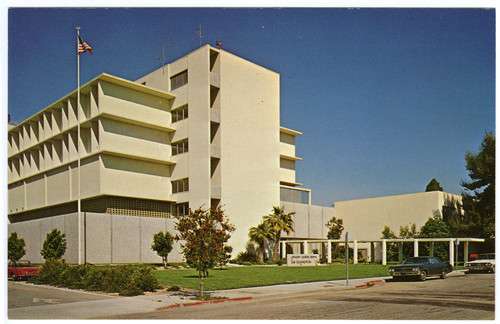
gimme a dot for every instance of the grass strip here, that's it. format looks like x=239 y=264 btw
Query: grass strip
x=253 y=276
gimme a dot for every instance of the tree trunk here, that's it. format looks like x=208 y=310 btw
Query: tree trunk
x=164 y=259
x=200 y=291
x=276 y=247
x=261 y=253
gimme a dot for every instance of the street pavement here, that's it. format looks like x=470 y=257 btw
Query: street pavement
x=117 y=305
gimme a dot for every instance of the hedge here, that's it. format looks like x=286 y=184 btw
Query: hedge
x=124 y=279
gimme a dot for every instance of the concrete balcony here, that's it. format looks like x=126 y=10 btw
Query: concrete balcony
x=215 y=192
x=215 y=150
x=215 y=115
x=215 y=79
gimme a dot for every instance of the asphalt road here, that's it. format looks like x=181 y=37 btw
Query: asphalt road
x=470 y=297
x=21 y=295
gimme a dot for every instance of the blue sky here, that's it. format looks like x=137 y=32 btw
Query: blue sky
x=387 y=99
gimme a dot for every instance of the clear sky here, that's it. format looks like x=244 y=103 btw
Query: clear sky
x=387 y=99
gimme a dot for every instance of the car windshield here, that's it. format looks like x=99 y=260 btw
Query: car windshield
x=416 y=260
x=487 y=256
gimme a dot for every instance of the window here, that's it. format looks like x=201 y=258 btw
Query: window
x=179 y=80
x=179 y=113
x=294 y=195
x=181 y=209
x=180 y=185
x=287 y=164
x=180 y=147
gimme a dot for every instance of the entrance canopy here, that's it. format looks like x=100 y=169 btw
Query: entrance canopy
x=383 y=243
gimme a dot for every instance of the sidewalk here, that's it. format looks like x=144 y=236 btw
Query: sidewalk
x=149 y=303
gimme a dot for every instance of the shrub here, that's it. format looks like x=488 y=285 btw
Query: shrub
x=174 y=288
x=125 y=280
x=54 y=245
x=72 y=277
x=15 y=248
x=247 y=256
x=50 y=272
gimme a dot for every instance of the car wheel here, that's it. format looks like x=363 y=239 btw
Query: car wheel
x=443 y=274
x=423 y=276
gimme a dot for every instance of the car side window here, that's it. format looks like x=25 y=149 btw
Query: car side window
x=434 y=260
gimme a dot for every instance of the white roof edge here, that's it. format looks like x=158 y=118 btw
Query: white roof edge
x=104 y=77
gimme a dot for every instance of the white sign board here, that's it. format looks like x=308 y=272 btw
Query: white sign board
x=302 y=259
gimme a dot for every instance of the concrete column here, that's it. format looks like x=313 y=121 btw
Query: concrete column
x=432 y=249
x=283 y=249
x=466 y=252
x=306 y=248
x=355 y=251
x=329 y=251
x=415 y=248
x=452 y=252
x=384 y=252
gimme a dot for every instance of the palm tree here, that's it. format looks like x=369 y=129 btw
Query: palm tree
x=260 y=235
x=280 y=221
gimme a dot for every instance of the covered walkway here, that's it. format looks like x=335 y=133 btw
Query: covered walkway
x=383 y=243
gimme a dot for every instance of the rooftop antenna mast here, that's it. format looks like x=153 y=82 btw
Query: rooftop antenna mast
x=198 y=32
x=163 y=55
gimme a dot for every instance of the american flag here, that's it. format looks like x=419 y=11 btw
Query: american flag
x=83 y=47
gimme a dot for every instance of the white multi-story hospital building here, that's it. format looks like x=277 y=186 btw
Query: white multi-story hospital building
x=201 y=131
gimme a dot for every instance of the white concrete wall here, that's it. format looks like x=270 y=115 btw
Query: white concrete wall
x=249 y=140
x=34 y=233
x=366 y=218
x=109 y=238
x=309 y=220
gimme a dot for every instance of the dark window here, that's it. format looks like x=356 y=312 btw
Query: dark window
x=179 y=147
x=179 y=80
x=294 y=195
x=179 y=113
x=181 y=209
x=180 y=185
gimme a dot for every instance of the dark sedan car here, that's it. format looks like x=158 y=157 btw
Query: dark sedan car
x=420 y=267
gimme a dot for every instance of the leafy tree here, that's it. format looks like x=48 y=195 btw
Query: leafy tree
x=260 y=235
x=204 y=234
x=225 y=256
x=54 y=245
x=387 y=233
x=392 y=248
x=335 y=227
x=280 y=221
x=162 y=245
x=433 y=185
x=15 y=248
x=435 y=227
x=408 y=232
x=479 y=196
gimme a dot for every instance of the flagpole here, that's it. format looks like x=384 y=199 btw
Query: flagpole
x=80 y=261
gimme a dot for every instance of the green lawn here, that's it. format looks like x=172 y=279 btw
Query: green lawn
x=251 y=276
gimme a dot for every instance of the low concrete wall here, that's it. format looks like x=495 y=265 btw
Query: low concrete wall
x=107 y=238
x=309 y=220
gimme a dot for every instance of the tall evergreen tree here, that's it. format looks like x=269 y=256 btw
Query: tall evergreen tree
x=433 y=185
x=479 y=195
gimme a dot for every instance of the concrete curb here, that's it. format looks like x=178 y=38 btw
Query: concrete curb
x=370 y=283
x=217 y=301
